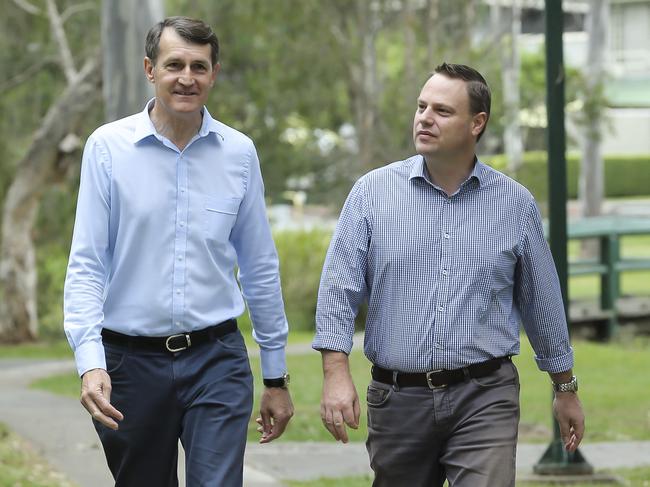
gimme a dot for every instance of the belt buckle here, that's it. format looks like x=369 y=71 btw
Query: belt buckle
x=430 y=384
x=181 y=348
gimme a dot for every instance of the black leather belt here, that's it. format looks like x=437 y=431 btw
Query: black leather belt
x=437 y=379
x=172 y=343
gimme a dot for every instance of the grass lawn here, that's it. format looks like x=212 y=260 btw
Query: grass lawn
x=20 y=466
x=637 y=477
x=613 y=387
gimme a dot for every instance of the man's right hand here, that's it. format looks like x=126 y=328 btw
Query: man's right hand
x=340 y=402
x=96 y=398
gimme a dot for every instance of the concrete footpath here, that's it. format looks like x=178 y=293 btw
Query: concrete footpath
x=61 y=431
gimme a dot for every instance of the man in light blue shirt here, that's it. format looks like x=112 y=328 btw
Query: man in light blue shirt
x=450 y=256
x=171 y=201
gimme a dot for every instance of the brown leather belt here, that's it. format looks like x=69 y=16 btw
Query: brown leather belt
x=172 y=343
x=437 y=379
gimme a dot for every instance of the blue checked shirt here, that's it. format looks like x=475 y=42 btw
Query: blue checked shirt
x=447 y=279
x=158 y=234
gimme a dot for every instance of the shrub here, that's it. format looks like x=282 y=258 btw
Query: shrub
x=624 y=175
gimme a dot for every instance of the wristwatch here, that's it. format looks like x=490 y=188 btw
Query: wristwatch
x=571 y=386
x=282 y=382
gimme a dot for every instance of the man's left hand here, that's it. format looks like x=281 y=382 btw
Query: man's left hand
x=276 y=410
x=570 y=418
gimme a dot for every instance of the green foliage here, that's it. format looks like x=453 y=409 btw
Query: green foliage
x=624 y=175
x=301 y=261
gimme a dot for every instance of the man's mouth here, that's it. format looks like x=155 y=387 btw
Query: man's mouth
x=184 y=93
x=426 y=133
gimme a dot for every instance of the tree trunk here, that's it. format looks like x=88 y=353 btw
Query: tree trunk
x=366 y=79
x=591 y=188
x=512 y=139
x=432 y=27
x=591 y=184
x=40 y=165
x=125 y=24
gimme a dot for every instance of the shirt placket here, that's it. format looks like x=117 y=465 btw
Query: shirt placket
x=180 y=244
x=443 y=270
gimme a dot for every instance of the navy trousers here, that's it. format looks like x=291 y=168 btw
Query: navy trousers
x=202 y=395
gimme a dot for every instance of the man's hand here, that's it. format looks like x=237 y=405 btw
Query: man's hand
x=568 y=413
x=276 y=410
x=96 y=398
x=340 y=402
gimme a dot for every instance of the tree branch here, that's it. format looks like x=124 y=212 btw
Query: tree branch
x=75 y=9
x=56 y=25
x=27 y=7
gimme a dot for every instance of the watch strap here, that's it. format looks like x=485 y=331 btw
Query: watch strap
x=277 y=382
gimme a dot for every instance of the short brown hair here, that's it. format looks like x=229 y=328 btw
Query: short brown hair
x=192 y=30
x=480 y=97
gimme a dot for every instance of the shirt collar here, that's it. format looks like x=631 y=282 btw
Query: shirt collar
x=479 y=172
x=144 y=126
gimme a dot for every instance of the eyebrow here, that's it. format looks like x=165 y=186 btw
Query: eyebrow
x=202 y=62
x=436 y=104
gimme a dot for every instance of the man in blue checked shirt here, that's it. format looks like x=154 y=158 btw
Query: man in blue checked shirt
x=450 y=256
x=170 y=201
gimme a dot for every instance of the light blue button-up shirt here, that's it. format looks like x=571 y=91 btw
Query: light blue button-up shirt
x=157 y=237
x=448 y=279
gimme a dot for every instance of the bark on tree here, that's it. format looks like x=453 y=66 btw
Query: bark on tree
x=510 y=67
x=356 y=33
x=44 y=163
x=124 y=28
x=591 y=186
x=432 y=16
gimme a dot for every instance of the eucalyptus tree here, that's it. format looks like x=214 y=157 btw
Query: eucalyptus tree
x=591 y=184
x=46 y=159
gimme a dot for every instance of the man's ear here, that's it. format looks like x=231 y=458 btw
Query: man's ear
x=215 y=71
x=478 y=123
x=148 y=69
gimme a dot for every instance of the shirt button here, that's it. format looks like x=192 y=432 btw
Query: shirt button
x=182 y=224
x=180 y=257
x=178 y=291
x=446 y=235
x=441 y=308
x=178 y=323
x=445 y=272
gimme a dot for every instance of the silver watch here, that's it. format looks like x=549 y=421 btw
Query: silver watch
x=571 y=386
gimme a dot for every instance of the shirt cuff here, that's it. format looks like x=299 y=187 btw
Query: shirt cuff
x=555 y=365
x=330 y=341
x=88 y=356
x=274 y=363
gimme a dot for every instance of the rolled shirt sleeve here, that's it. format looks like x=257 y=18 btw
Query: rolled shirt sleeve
x=539 y=298
x=343 y=281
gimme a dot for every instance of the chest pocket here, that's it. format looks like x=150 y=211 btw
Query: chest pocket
x=220 y=216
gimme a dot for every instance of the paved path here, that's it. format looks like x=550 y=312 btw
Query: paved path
x=61 y=431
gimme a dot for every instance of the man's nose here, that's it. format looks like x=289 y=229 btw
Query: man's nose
x=186 y=77
x=426 y=117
